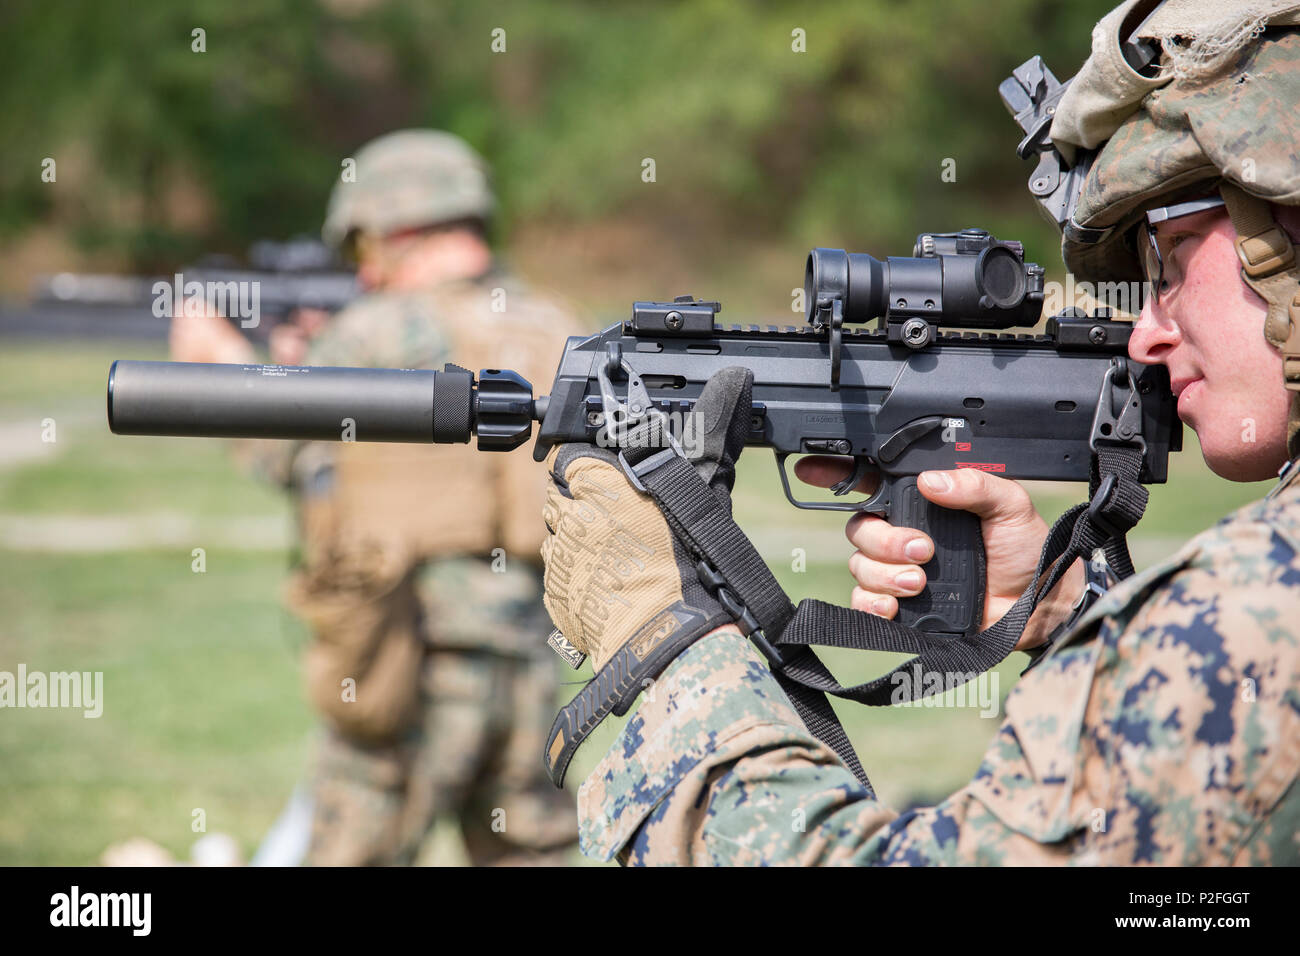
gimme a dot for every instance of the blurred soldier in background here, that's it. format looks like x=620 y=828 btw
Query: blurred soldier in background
x=420 y=567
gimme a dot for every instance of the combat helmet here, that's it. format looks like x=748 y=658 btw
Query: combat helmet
x=1215 y=108
x=405 y=180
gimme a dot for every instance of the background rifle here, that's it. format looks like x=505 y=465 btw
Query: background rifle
x=295 y=274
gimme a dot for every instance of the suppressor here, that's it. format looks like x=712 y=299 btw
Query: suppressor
x=304 y=403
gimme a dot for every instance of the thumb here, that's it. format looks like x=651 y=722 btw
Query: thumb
x=969 y=489
x=720 y=425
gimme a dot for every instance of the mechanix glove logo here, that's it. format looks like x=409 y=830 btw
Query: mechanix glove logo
x=560 y=644
x=654 y=633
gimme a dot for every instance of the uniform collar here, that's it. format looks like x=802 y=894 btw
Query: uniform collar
x=1285 y=477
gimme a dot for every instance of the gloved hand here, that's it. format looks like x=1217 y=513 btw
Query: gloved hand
x=618 y=580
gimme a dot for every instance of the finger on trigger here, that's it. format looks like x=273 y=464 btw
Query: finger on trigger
x=823 y=471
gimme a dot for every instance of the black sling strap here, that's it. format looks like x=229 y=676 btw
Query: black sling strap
x=746 y=587
x=731 y=569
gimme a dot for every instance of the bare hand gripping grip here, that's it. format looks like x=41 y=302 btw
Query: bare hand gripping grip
x=952 y=601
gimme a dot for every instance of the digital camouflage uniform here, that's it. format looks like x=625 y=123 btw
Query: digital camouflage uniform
x=420 y=580
x=1163 y=729
x=1164 y=726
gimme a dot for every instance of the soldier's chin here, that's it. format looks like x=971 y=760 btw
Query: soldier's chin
x=1229 y=455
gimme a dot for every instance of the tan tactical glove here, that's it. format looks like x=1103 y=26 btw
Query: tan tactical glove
x=620 y=585
x=613 y=565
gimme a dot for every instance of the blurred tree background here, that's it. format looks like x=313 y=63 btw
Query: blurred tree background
x=164 y=152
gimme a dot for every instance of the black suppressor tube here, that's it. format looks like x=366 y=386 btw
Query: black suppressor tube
x=316 y=403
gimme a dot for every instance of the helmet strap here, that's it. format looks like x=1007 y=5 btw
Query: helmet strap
x=1269 y=266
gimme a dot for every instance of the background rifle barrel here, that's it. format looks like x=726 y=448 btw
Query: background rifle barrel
x=276 y=401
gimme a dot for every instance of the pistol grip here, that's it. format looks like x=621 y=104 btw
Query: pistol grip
x=952 y=601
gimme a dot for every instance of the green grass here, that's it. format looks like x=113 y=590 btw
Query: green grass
x=109 y=474
x=87 y=469
x=203 y=707
x=38 y=372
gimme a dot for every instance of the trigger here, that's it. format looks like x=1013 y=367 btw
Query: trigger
x=848 y=484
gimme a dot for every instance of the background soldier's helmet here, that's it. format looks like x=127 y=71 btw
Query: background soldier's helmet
x=1221 y=112
x=405 y=180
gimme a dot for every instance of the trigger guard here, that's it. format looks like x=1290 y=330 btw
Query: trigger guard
x=878 y=503
x=845 y=485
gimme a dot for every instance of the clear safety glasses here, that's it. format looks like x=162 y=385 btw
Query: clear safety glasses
x=1158 y=264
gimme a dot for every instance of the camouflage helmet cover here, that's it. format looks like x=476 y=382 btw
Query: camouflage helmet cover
x=1219 y=114
x=408 y=179
x=1222 y=107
